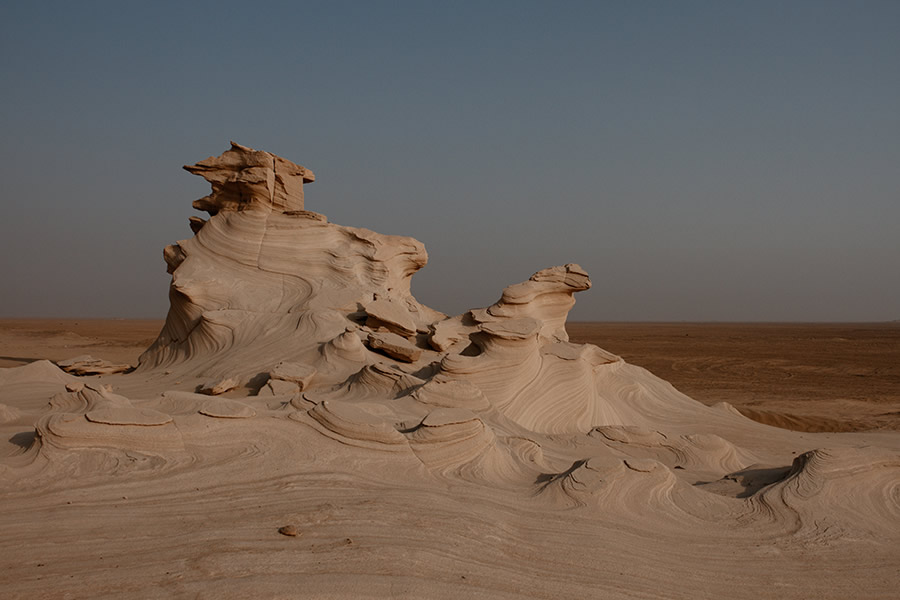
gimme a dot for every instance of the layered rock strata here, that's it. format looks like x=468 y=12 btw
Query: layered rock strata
x=297 y=378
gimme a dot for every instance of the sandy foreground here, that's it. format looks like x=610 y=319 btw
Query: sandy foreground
x=170 y=529
x=302 y=427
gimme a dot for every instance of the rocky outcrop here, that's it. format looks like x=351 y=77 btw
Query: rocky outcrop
x=264 y=282
x=243 y=178
x=394 y=346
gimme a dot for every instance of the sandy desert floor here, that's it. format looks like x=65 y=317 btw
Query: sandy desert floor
x=23 y=341
x=803 y=376
x=203 y=521
x=800 y=376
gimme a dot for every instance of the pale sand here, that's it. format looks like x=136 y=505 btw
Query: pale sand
x=484 y=455
x=800 y=376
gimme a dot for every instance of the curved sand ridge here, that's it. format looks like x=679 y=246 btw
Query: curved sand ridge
x=414 y=453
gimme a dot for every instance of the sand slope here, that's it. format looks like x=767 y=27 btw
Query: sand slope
x=410 y=454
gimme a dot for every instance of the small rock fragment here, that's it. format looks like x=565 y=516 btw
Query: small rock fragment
x=289 y=530
x=278 y=387
x=392 y=315
x=224 y=408
x=196 y=224
x=294 y=373
x=214 y=387
x=394 y=346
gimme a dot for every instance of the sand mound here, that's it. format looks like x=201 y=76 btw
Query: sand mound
x=419 y=454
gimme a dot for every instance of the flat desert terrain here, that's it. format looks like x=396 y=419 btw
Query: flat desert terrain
x=24 y=341
x=800 y=376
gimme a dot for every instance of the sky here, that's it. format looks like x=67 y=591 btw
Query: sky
x=703 y=161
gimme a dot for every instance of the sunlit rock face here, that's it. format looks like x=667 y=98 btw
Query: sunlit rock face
x=263 y=278
x=265 y=281
x=244 y=178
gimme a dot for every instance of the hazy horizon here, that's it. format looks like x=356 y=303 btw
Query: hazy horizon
x=703 y=161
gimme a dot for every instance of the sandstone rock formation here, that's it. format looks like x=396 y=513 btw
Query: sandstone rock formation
x=264 y=281
x=483 y=443
x=244 y=178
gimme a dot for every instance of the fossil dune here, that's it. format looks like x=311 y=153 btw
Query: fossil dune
x=304 y=427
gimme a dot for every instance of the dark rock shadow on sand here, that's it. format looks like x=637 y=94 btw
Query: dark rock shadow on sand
x=23 y=439
x=746 y=482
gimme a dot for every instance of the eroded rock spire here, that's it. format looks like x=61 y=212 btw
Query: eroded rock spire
x=243 y=178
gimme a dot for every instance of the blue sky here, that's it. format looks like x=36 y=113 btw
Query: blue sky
x=702 y=160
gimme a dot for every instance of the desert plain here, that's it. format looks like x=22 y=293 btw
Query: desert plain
x=300 y=426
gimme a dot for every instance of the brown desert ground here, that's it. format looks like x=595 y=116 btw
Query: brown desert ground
x=799 y=376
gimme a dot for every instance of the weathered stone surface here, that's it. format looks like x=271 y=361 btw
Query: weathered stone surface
x=214 y=387
x=242 y=178
x=196 y=223
x=88 y=365
x=547 y=296
x=394 y=346
x=265 y=280
x=295 y=373
x=223 y=408
x=391 y=315
x=279 y=387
